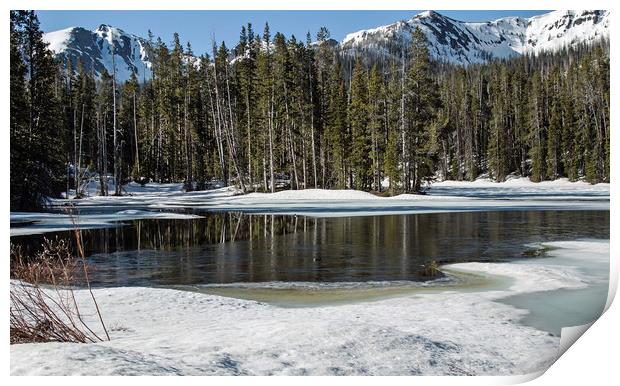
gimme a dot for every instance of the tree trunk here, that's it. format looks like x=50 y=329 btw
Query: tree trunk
x=232 y=148
x=314 y=174
x=135 y=132
x=272 y=182
x=217 y=121
x=405 y=162
x=79 y=165
x=117 y=182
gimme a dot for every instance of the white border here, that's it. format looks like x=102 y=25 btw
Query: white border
x=593 y=358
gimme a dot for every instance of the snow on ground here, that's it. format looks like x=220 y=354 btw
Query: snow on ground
x=58 y=40
x=529 y=276
x=520 y=188
x=313 y=194
x=92 y=188
x=166 y=331
x=447 y=196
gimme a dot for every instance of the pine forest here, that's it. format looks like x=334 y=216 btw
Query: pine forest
x=278 y=112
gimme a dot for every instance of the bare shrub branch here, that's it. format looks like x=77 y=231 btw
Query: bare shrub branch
x=43 y=303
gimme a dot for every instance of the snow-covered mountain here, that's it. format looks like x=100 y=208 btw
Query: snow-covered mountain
x=449 y=40
x=466 y=42
x=94 y=49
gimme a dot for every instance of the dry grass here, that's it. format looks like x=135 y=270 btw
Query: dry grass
x=43 y=304
x=54 y=265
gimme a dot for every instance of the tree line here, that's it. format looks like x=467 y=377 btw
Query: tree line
x=276 y=112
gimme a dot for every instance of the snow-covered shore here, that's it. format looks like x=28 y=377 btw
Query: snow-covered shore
x=166 y=331
x=152 y=200
x=35 y=223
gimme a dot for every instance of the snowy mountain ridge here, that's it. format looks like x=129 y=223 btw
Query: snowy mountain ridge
x=477 y=42
x=94 y=49
x=449 y=40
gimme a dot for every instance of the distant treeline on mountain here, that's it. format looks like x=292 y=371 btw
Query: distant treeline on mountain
x=277 y=109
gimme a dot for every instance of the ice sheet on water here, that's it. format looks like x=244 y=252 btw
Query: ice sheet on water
x=37 y=223
x=442 y=197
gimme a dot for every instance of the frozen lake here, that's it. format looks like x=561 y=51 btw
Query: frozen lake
x=297 y=261
x=220 y=248
x=333 y=282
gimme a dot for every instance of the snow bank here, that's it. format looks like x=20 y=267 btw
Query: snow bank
x=313 y=194
x=519 y=181
x=516 y=187
x=528 y=277
x=421 y=197
x=165 y=331
x=597 y=251
x=159 y=331
x=441 y=197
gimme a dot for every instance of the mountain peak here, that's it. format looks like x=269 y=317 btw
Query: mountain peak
x=427 y=14
x=104 y=48
x=108 y=30
x=466 y=43
x=449 y=40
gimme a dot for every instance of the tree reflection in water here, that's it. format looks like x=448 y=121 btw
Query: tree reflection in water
x=237 y=247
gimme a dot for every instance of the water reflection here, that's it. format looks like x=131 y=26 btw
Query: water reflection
x=237 y=247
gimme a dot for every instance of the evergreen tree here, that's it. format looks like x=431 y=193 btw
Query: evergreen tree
x=37 y=170
x=392 y=164
x=360 y=134
x=266 y=105
x=498 y=153
x=19 y=119
x=336 y=130
x=245 y=70
x=537 y=130
x=553 y=131
x=423 y=102
x=84 y=133
x=128 y=121
x=376 y=124
x=281 y=113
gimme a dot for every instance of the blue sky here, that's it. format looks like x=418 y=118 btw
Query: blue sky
x=199 y=27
